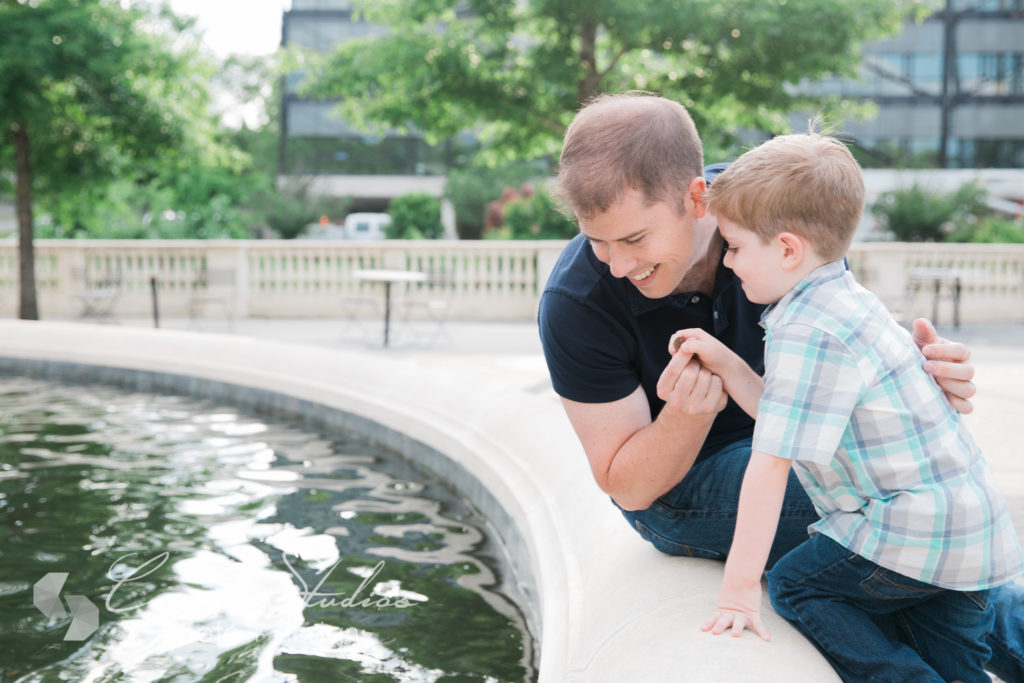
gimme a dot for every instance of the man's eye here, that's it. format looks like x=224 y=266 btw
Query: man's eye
x=635 y=240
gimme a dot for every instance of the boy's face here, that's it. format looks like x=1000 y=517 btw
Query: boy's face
x=651 y=245
x=758 y=265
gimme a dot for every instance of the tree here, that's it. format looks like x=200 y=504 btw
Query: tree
x=517 y=71
x=89 y=91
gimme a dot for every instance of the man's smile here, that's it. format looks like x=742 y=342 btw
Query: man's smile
x=643 y=275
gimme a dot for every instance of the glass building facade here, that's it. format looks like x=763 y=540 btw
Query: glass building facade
x=949 y=90
x=314 y=142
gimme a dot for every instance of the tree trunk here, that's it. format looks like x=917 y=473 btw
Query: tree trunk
x=587 y=87
x=27 y=306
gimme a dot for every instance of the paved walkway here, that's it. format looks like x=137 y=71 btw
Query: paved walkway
x=454 y=338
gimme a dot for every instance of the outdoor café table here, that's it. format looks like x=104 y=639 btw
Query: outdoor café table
x=388 y=277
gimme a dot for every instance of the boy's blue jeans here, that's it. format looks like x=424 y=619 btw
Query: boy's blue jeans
x=834 y=597
x=698 y=516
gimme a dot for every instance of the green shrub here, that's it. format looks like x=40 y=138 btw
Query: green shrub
x=290 y=212
x=535 y=217
x=471 y=189
x=414 y=216
x=989 y=230
x=916 y=215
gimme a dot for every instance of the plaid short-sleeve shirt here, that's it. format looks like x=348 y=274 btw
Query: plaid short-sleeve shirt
x=886 y=460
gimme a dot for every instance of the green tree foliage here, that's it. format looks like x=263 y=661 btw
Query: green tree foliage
x=517 y=71
x=917 y=215
x=90 y=91
x=219 y=184
x=414 y=216
x=180 y=202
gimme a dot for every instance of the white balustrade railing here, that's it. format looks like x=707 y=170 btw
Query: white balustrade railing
x=284 y=278
x=918 y=279
x=488 y=279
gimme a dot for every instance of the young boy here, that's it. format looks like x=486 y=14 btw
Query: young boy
x=911 y=521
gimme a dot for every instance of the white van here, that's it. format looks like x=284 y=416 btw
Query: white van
x=366 y=226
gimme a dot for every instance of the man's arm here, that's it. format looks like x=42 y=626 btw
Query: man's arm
x=739 y=602
x=949 y=363
x=635 y=460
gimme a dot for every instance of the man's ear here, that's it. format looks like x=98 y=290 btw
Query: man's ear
x=695 y=196
x=793 y=249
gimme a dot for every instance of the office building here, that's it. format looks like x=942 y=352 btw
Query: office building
x=339 y=160
x=949 y=90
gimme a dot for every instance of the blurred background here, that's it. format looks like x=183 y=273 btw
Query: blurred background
x=441 y=120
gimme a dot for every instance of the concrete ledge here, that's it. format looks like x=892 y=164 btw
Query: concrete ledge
x=610 y=607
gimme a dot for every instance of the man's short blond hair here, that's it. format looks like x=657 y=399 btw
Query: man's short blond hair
x=808 y=184
x=629 y=141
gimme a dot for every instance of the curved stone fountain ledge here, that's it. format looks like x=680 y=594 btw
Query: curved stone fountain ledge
x=608 y=607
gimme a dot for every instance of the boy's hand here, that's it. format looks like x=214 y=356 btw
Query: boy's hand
x=948 y=363
x=738 y=609
x=713 y=354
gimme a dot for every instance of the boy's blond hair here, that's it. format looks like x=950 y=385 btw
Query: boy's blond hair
x=808 y=184
x=628 y=141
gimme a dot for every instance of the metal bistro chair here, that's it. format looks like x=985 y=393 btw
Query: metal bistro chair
x=97 y=295
x=213 y=286
x=361 y=310
x=940 y=281
x=426 y=311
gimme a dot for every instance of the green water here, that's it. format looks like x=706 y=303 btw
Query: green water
x=218 y=546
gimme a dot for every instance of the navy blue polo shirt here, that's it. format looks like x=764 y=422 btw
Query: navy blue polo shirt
x=602 y=338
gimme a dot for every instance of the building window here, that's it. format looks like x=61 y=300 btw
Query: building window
x=924 y=70
x=991 y=73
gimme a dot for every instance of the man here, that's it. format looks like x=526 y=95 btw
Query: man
x=661 y=436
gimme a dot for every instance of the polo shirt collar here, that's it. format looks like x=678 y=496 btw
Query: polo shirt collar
x=640 y=304
x=829 y=271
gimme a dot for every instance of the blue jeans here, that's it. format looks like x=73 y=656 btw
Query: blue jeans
x=832 y=596
x=697 y=518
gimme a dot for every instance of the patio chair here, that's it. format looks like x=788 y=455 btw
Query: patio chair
x=97 y=294
x=361 y=311
x=426 y=311
x=213 y=287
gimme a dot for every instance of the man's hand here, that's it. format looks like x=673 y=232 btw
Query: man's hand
x=737 y=378
x=689 y=387
x=949 y=363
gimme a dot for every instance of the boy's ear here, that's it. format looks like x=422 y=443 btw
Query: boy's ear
x=792 y=249
x=695 y=194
